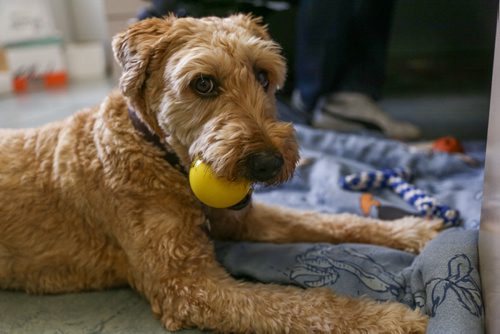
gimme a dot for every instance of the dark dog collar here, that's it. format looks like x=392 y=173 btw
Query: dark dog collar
x=153 y=138
x=170 y=156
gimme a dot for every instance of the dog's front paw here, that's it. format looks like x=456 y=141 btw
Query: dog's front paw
x=363 y=316
x=412 y=233
x=172 y=324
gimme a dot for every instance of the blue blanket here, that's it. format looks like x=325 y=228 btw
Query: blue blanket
x=443 y=280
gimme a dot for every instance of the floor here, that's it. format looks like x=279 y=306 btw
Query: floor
x=40 y=107
x=122 y=310
x=114 y=311
x=462 y=116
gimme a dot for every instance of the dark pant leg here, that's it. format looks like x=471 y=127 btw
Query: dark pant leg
x=323 y=28
x=365 y=71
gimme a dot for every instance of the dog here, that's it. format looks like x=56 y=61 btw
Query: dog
x=102 y=199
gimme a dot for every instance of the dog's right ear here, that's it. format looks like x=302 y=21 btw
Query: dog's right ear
x=133 y=48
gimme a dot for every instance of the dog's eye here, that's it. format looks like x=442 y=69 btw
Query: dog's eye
x=204 y=86
x=263 y=79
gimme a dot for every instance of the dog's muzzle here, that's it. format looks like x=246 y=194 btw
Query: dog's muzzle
x=264 y=166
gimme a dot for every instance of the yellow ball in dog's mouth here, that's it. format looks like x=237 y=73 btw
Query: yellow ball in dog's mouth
x=215 y=191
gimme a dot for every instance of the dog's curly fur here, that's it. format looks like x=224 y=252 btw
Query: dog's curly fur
x=88 y=203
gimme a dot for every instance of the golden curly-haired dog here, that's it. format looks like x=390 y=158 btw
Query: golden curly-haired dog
x=101 y=199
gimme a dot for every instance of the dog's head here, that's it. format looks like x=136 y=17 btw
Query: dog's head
x=210 y=84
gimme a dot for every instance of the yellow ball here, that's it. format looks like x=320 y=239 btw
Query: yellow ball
x=215 y=191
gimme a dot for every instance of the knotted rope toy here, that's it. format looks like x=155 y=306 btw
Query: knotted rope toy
x=396 y=180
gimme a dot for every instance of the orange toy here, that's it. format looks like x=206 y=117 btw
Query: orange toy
x=448 y=144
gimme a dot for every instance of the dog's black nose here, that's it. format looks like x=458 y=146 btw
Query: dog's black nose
x=263 y=166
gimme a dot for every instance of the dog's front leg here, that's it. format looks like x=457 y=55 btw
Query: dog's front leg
x=172 y=263
x=273 y=224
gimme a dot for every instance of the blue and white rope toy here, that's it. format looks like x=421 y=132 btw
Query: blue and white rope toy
x=395 y=179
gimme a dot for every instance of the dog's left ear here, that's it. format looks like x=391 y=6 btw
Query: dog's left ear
x=251 y=23
x=133 y=48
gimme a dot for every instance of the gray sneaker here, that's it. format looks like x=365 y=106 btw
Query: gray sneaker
x=296 y=101
x=352 y=112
